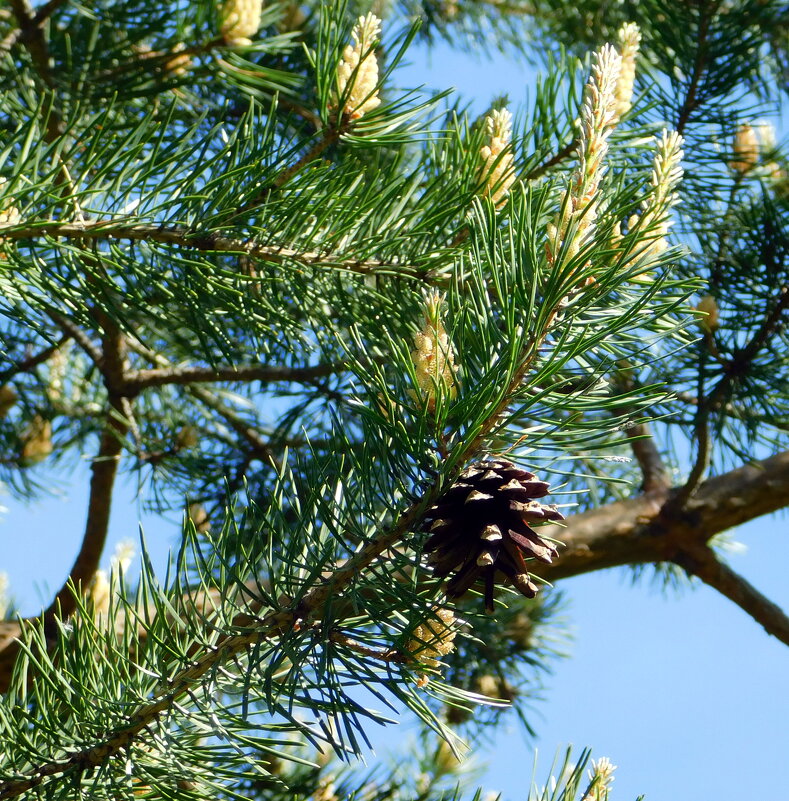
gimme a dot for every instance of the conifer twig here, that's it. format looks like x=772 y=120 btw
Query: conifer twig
x=703 y=563
x=690 y=104
x=739 y=363
x=139 y=380
x=31 y=362
x=135 y=231
x=653 y=469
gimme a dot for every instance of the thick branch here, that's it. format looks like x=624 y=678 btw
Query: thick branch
x=103 y=472
x=211 y=242
x=32 y=37
x=703 y=562
x=639 y=531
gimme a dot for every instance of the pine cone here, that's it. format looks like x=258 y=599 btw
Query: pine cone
x=482 y=524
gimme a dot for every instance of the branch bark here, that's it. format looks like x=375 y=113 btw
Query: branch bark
x=103 y=473
x=209 y=242
x=31 y=362
x=703 y=563
x=651 y=529
x=139 y=380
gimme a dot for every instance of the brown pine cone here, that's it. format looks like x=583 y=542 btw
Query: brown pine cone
x=482 y=524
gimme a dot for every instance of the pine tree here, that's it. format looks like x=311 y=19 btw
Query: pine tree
x=405 y=366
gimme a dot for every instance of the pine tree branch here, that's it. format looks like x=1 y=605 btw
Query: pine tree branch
x=691 y=103
x=31 y=362
x=642 y=442
x=736 y=367
x=73 y=331
x=103 y=473
x=47 y=10
x=210 y=242
x=626 y=532
x=32 y=37
x=229 y=646
x=138 y=380
x=643 y=530
x=653 y=469
x=261 y=449
x=557 y=158
x=704 y=563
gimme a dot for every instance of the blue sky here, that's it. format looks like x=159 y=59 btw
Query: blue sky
x=685 y=693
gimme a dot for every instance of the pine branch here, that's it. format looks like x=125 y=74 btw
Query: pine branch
x=32 y=37
x=223 y=651
x=103 y=473
x=691 y=103
x=210 y=242
x=47 y=10
x=653 y=469
x=31 y=362
x=138 y=380
x=261 y=449
x=704 y=563
x=73 y=331
x=737 y=366
x=645 y=530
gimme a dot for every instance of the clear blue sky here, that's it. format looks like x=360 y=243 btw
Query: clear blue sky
x=687 y=695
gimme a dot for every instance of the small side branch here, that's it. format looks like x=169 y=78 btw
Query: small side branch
x=31 y=362
x=691 y=102
x=144 y=379
x=73 y=331
x=703 y=563
x=209 y=242
x=739 y=364
x=649 y=459
x=557 y=158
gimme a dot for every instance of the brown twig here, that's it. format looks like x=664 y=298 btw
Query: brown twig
x=261 y=448
x=381 y=654
x=704 y=563
x=557 y=158
x=139 y=380
x=690 y=103
x=73 y=331
x=31 y=362
x=737 y=366
x=653 y=469
x=212 y=242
